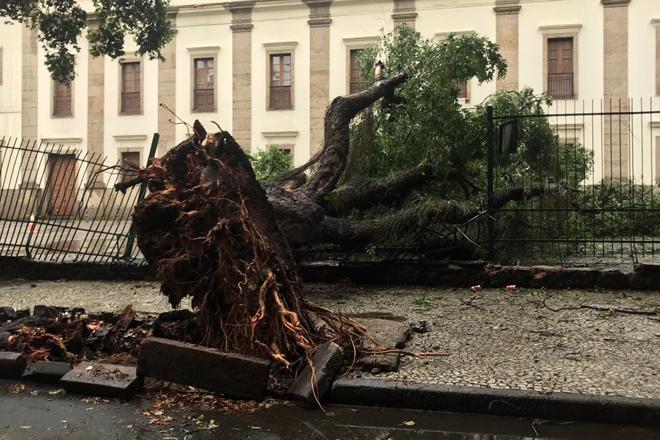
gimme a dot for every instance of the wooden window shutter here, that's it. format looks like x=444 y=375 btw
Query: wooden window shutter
x=356 y=82
x=560 y=67
x=204 y=85
x=130 y=88
x=280 y=81
x=62 y=99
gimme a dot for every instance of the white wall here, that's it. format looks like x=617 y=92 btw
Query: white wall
x=281 y=25
x=10 y=89
x=204 y=29
x=441 y=16
x=351 y=20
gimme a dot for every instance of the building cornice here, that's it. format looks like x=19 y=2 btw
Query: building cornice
x=560 y=29
x=244 y=5
x=319 y=13
x=614 y=3
x=129 y=137
x=507 y=10
x=279 y=134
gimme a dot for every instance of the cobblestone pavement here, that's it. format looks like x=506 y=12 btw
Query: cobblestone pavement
x=531 y=339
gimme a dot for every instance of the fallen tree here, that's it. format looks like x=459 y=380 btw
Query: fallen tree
x=214 y=234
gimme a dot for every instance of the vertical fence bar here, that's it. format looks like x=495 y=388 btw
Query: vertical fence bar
x=143 y=192
x=491 y=179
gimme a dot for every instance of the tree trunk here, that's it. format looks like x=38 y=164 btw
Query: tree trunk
x=215 y=235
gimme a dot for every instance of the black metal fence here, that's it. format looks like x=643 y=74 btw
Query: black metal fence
x=586 y=176
x=58 y=203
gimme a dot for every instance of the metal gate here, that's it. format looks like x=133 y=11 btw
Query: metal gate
x=58 y=203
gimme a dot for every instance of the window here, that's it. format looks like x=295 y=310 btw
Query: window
x=462 y=89
x=203 y=90
x=356 y=84
x=560 y=67
x=61 y=99
x=129 y=159
x=130 y=88
x=280 y=81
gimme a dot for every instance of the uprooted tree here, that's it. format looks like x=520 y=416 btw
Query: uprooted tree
x=213 y=233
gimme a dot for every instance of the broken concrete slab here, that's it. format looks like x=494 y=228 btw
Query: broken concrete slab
x=383 y=334
x=383 y=363
x=231 y=374
x=12 y=365
x=49 y=372
x=42 y=311
x=102 y=380
x=7 y=314
x=326 y=361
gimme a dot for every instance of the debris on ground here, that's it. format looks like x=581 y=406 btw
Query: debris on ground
x=104 y=380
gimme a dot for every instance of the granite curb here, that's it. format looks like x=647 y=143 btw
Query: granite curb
x=432 y=273
x=501 y=402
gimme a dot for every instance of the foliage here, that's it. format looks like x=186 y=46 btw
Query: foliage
x=60 y=24
x=540 y=157
x=424 y=122
x=271 y=162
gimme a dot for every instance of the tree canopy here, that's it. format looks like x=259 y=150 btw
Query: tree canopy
x=60 y=24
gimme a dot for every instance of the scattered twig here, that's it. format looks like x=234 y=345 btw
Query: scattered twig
x=603 y=308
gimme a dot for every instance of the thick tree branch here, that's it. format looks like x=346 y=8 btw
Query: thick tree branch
x=336 y=133
x=377 y=191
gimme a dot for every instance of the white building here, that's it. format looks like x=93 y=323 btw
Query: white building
x=265 y=70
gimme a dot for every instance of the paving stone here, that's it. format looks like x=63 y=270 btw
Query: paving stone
x=42 y=371
x=12 y=365
x=327 y=361
x=231 y=374
x=383 y=334
x=102 y=380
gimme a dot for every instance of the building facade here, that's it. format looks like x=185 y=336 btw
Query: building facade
x=266 y=70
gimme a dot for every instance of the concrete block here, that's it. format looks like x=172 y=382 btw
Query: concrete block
x=50 y=372
x=383 y=334
x=42 y=311
x=102 y=380
x=12 y=365
x=231 y=374
x=327 y=361
x=7 y=314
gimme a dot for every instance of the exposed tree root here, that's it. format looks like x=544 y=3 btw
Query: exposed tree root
x=210 y=232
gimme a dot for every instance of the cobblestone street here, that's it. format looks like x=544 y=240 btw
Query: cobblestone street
x=531 y=339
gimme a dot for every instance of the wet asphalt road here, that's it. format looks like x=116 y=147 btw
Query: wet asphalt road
x=35 y=414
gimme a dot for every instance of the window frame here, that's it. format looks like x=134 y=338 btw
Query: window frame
x=358 y=43
x=124 y=151
x=562 y=31
x=655 y=22
x=280 y=56
x=281 y=48
x=53 y=87
x=120 y=84
x=280 y=139
x=195 y=53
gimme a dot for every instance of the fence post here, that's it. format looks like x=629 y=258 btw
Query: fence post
x=130 y=241
x=490 y=129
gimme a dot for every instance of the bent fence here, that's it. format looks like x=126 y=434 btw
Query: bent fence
x=58 y=203
x=590 y=171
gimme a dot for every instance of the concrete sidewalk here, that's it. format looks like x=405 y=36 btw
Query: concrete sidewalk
x=547 y=341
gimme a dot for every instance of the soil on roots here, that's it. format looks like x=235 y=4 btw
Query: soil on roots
x=209 y=230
